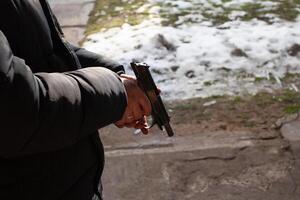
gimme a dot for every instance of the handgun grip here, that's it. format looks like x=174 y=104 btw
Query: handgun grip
x=147 y=84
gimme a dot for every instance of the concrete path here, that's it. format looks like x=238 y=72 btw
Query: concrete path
x=211 y=166
x=73 y=16
x=291 y=132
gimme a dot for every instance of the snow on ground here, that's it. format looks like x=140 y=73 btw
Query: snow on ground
x=194 y=57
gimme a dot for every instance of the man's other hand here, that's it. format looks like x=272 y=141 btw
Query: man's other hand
x=138 y=106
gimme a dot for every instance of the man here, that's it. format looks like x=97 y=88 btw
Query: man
x=52 y=101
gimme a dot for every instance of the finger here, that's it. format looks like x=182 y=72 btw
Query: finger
x=128 y=77
x=145 y=131
x=137 y=112
x=145 y=105
x=143 y=121
x=130 y=119
x=131 y=125
x=128 y=116
x=139 y=126
x=143 y=125
x=119 y=125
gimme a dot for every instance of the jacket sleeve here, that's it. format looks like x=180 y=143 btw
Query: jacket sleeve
x=49 y=111
x=89 y=59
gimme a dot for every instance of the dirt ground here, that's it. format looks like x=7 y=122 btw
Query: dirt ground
x=259 y=114
x=250 y=113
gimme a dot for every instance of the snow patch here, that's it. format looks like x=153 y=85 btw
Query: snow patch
x=198 y=59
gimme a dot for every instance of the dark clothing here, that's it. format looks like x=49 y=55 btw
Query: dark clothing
x=50 y=108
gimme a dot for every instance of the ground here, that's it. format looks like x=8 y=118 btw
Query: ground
x=225 y=147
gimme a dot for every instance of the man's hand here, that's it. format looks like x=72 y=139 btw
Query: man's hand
x=138 y=106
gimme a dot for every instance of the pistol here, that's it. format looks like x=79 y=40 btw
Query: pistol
x=146 y=83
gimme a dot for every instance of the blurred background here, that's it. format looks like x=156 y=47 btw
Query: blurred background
x=229 y=71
